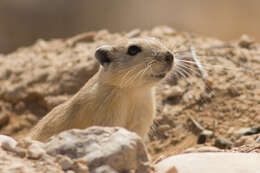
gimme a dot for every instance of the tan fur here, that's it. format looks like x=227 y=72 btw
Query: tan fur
x=123 y=97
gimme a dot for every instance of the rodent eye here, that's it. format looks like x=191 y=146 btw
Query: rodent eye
x=133 y=50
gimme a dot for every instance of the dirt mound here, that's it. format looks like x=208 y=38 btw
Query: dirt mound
x=35 y=79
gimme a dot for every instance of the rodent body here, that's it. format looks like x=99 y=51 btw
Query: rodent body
x=120 y=94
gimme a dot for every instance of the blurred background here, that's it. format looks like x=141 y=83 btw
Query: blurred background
x=24 y=21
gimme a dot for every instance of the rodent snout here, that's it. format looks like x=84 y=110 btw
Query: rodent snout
x=169 y=57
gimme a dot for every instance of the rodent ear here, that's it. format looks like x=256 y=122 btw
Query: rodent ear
x=102 y=55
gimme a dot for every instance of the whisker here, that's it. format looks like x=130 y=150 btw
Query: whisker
x=123 y=81
x=188 y=68
x=138 y=74
x=203 y=73
x=212 y=66
x=185 y=72
x=178 y=70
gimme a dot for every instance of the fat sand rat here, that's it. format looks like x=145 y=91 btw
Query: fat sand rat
x=121 y=93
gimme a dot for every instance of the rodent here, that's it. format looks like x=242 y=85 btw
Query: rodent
x=121 y=93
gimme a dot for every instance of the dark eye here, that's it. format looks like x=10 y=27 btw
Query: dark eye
x=133 y=50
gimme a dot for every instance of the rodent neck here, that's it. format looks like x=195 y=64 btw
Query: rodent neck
x=118 y=84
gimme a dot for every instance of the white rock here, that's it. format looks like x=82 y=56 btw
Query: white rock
x=7 y=142
x=211 y=163
x=115 y=147
x=35 y=151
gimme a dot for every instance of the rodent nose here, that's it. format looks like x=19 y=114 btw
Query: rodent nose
x=169 y=57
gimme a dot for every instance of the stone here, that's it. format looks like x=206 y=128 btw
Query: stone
x=79 y=167
x=245 y=41
x=116 y=147
x=70 y=171
x=204 y=135
x=254 y=130
x=242 y=131
x=35 y=151
x=105 y=169
x=8 y=143
x=172 y=95
x=65 y=162
x=210 y=163
x=12 y=163
x=223 y=143
x=248 y=131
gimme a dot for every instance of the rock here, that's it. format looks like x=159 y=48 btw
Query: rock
x=65 y=162
x=248 y=131
x=96 y=149
x=11 y=163
x=80 y=167
x=8 y=143
x=164 y=127
x=105 y=169
x=242 y=131
x=254 y=130
x=116 y=147
x=35 y=151
x=204 y=135
x=21 y=152
x=70 y=171
x=172 y=95
x=223 y=143
x=245 y=41
x=210 y=163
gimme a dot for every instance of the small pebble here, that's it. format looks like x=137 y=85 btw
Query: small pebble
x=35 y=151
x=7 y=143
x=248 y=131
x=164 y=127
x=204 y=135
x=21 y=152
x=65 y=162
x=245 y=41
x=105 y=169
x=80 y=167
x=70 y=171
x=242 y=132
x=223 y=143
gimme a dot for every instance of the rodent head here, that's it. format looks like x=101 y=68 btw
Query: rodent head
x=134 y=62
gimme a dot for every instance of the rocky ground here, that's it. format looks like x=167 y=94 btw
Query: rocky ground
x=222 y=115
x=95 y=150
